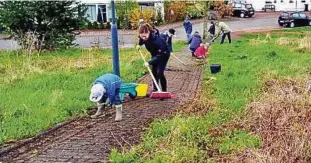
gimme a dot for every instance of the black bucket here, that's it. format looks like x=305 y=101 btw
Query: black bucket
x=215 y=68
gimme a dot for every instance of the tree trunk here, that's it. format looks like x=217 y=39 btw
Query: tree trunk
x=205 y=19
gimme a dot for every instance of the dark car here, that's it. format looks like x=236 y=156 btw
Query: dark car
x=242 y=10
x=294 y=19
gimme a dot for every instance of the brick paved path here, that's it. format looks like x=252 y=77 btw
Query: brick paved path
x=90 y=140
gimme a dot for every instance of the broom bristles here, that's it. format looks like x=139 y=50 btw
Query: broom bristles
x=161 y=95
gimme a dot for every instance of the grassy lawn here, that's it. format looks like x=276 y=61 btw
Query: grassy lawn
x=247 y=65
x=38 y=92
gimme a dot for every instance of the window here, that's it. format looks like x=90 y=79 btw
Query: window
x=268 y=2
x=238 y=5
x=284 y=14
x=248 y=6
x=102 y=13
x=282 y=1
x=275 y=1
x=291 y=1
x=303 y=1
x=91 y=12
x=296 y=15
x=303 y=15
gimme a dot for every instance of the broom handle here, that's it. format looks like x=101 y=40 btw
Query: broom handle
x=178 y=59
x=153 y=78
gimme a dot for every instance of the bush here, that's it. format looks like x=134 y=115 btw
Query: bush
x=119 y=23
x=108 y=25
x=2 y=29
x=196 y=11
x=176 y=11
x=83 y=25
x=95 y=25
x=159 y=19
x=223 y=9
x=123 y=8
x=147 y=14
x=51 y=24
x=102 y=25
x=89 y=25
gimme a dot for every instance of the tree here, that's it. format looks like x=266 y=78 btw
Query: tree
x=123 y=8
x=205 y=19
x=46 y=24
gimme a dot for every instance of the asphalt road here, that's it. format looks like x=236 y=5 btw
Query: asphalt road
x=130 y=40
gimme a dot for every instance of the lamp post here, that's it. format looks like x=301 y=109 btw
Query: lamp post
x=114 y=41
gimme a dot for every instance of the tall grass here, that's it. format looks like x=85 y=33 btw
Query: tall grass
x=38 y=92
x=245 y=68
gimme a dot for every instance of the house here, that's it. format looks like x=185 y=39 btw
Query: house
x=97 y=10
x=280 y=5
x=100 y=11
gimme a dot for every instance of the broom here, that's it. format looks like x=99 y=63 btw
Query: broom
x=158 y=94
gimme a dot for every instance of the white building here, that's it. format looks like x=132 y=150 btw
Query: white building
x=280 y=5
x=99 y=10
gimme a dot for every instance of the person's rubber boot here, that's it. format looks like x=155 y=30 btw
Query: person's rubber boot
x=118 y=112
x=99 y=111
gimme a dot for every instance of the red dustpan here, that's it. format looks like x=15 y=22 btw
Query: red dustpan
x=159 y=93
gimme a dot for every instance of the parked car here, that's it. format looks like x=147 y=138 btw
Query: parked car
x=270 y=7
x=243 y=9
x=294 y=19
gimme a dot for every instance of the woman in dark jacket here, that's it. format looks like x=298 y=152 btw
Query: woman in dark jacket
x=158 y=49
x=194 y=42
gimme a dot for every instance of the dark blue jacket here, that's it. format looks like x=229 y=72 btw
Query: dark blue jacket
x=168 y=40
x=188 y=26
x=195 y=41
x=110 y=82
x=211 y=29
x=157 y=47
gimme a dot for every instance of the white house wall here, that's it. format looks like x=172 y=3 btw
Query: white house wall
x=96 y=1
x=158 y=4
x=280 y=5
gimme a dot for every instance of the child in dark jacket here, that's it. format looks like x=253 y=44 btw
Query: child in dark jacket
x=105 y=90
x=211 y=31
x=168 y=36
x=159 y=51
x=194 y=42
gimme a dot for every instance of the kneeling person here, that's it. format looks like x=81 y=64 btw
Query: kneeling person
x=105 y=90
